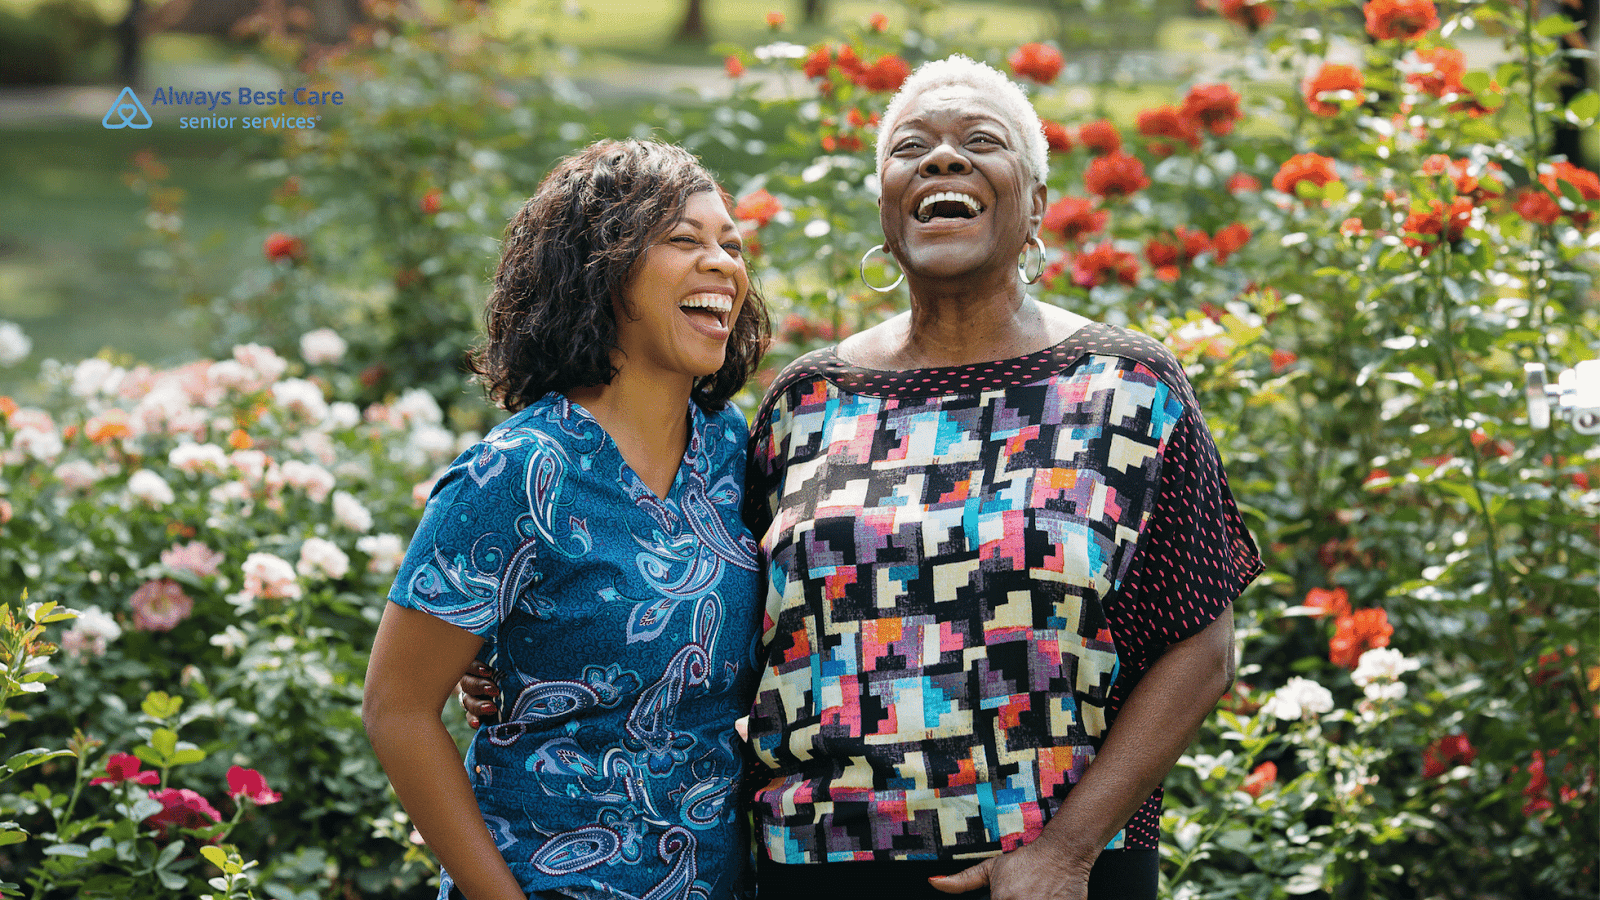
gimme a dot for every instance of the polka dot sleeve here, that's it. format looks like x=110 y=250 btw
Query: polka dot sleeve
x=1194 y=557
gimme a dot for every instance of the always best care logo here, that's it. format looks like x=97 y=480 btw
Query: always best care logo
x=280 y=109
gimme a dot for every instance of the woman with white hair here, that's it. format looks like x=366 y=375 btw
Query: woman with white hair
x=999 y=549
x=1000 y=553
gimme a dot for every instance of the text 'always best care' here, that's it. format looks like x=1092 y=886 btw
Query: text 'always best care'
x=247 y=97
x=298 y=100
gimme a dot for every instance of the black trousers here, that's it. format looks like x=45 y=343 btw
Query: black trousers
x=1117 y=875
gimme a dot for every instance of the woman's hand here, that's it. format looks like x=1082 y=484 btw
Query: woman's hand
x=476 y=692
x=1027 y=873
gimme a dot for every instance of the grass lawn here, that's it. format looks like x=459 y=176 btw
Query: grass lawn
x=70 y=273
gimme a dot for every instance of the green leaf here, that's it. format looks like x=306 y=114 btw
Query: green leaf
x=164 y=741
x=1476 y=82
x=215 y=855
x=188 y=754
x=1584 y=107
x=1555 y=26
x=78 y=851
x=160 y=706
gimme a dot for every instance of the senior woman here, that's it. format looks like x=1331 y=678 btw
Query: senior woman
x=1000 y=556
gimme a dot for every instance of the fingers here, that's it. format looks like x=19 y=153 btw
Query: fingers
x=480 y=670
x=964 y=880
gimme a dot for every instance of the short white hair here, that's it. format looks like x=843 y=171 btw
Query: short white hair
x=1007 y=96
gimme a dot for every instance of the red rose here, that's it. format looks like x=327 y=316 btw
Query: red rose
x=1333 y=77
x=1310 y=167
x=1056 y=137
x=885 y=76
x=1448 y=63
x=1584 y=181
x=1239 y=182
x=1214 y=107
x=1074 y=218
x=248 y=784
x=734 y=66
x=1251 y=14
x=1357 y=633
x=1446 y=752
x=279 y=246
x=774 y=20
x=818 y=63
x=878 y=22
x=1400 y=19
x=1115 y=175
x=1168 y=254
x=1282 y=360
x=1167 y=121
x=849 y=63
x=1229 y=239
x=1101 y=137
x=181 y=808
x=432 y=201
x=1334 y=602
x=1424 y=229
x=758 y=207
x=124 y=767
x=1104 y=264
x=1537 y=206
x=1040 y=62
x=1262 y=777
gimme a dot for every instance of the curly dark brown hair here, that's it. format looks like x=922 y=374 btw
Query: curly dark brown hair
x=566 y=261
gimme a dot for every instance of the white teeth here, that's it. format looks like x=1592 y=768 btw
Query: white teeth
x=720 y=303
x=971 y=202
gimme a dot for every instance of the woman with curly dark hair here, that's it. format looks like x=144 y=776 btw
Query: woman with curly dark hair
x=590 y=550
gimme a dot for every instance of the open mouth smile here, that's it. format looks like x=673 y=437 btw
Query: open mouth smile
x=708 y=306
x=948 y=205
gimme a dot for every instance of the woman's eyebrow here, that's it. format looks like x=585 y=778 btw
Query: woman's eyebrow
x=696 y=223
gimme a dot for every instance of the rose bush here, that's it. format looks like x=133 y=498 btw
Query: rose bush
x=1353 y=242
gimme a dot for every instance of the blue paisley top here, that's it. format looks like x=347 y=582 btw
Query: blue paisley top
x=623 y=629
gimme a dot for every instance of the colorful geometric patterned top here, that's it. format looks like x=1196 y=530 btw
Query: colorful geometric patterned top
x=968 y=570
x=623 y=629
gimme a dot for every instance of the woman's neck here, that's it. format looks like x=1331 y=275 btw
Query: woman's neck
x=647 y=420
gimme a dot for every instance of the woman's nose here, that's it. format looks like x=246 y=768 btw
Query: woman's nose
x=944 y=160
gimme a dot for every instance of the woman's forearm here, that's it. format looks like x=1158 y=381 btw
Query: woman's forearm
x=1153 y=728
x=425 y=768
x=415 y=662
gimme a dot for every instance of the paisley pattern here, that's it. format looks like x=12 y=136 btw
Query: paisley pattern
x=623 y=629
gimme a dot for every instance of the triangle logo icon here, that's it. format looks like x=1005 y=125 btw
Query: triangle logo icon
x=127 y=112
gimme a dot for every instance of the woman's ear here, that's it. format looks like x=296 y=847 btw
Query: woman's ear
x=1041 y=202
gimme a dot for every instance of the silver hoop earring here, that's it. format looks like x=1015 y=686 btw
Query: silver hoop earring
x=863 y=270
x=1022 y=261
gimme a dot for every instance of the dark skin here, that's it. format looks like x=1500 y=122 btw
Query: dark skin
x=969 y=305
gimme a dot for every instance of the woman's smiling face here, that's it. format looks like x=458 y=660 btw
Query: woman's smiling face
x=957 y=196
x=684 y=295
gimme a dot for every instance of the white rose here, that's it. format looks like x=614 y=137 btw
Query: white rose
x=316 y=481
x=270 y=576
x=150 y=488
x=384 y=552
x=322 y=347
x=78 y=474
x=1299 y=698
x=14 y=345
x=349 y=513
x=302 y=398
x=322 y=559
x=193 y=458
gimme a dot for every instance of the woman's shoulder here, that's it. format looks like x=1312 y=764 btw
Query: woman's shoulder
x=1101 y=339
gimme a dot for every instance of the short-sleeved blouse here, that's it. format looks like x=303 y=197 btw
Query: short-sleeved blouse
x=968 y=569
x=622 y=627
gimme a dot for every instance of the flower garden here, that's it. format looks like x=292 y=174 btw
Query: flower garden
x=1353 y=238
